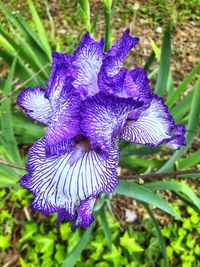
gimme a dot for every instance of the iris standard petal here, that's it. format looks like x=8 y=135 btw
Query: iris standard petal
x=87 y=61
x=152 y=127
x=61 y=73
x=65 y=122
x=111 y=76
x=35 y=104
x=114 y=57
x=103 y=116
x=69 y=184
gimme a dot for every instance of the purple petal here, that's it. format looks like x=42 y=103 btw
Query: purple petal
x=178 y=139
x=69 y=184
x=61 y=74
x=87 y=60
x=102 y=118
x=111 y=76
x=115 y=56
x=153 y=127
x=35 y=104
x=64 y=123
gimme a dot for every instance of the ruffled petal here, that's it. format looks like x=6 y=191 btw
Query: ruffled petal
x=102 y=118
x=136 y=85
x=35 y=104
x=87 y=60
x=115 y=56
x=61 y=73
x=111 y=76
x=64 y=124
x=69 y=184
x=178 y=138
x=153 y=127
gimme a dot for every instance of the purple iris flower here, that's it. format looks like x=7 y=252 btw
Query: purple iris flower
x=89 y=105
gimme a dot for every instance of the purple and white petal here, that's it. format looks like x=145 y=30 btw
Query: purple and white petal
x=111 y=76
x=65 y=122
x=103 y=117
x=87 y=61
x=35 y=104
x=136 y=85
x=70 y=183
x=153 y=126
x=178 y=138
x=61 y=73
x=114 y=57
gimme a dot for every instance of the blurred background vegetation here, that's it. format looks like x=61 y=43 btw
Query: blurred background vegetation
x=130 y=230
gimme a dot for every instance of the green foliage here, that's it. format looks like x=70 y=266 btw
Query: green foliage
x=26 y=48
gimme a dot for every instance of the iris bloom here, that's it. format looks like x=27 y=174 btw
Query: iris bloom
x=89 y=105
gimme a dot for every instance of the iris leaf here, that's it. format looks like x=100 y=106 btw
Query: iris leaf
x=176 y=187
x=76 y=251
x=191 y=128
x=144 y=194
x=85 y=12
x=39 y=25
x=159 y=234
x=164 y=66
x=6 y=118
x=176 y=94
x=105 y=226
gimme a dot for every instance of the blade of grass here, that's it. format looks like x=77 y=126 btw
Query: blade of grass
x=6 y=119
x=164 y=65
x=159 y=235
x=142 y=193
x=39 y=26
x=176 y=94
x=77 y=250
x=191 y=128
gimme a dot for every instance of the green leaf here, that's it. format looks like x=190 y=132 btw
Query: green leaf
x=176 y=94
x=85 y=12
x=182 y=107
x=164 y=65
x=143 y=194
x=39 y=26
x=6 y=119
x=156 y=49
x=77 y=250
x=130 y=244
x=191 y=160
x=159 y=235
x=105 y=226
x=176 y=187
x=191 y=128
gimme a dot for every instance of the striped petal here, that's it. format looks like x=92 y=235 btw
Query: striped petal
x=87 y=60
x=102 y=118
x=61 y=74
x=69 y=184
x=153 y=127
x=64 y=124
x=35 y=104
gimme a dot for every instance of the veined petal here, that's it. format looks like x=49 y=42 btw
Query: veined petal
x=178 y=138
x=114 y=57
x=61 y=73
x=69 y=184
x=153 y=127
x=102 y=118
x=64 y=123
x=35 y=104
x=87 y=60
x=111 y=76
x=136 y=85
